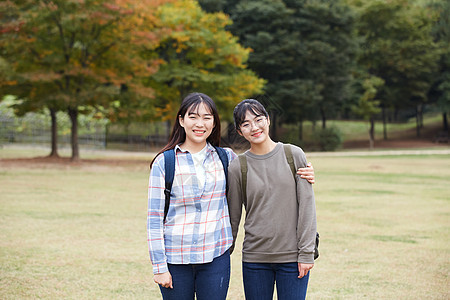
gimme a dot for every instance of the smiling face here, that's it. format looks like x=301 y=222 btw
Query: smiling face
x=255 y=128
x=198 y=123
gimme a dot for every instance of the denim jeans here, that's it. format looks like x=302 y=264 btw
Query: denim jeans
x=208 y=281
x=259 y=280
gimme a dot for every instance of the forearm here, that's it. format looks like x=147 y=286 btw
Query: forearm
x=234 y=205
x=307 y=227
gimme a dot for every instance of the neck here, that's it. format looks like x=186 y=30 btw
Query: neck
x=263 y=148
x=192 y=147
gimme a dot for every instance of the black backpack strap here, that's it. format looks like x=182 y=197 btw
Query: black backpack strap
x=169 y=169
x=224 y=159
x=244 y=169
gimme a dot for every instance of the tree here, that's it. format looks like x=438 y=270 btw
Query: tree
x=368 y=106
x=218 y=5
x=198 y=54
x=264 y=26
x=77 y=54
x=304 y=49
x=440 y=91
x=328 y=30
x=399 y=49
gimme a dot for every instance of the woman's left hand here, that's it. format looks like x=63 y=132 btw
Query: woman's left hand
x=303 y=269
x=307 y=173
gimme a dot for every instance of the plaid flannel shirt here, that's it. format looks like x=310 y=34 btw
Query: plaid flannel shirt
x=197 y=227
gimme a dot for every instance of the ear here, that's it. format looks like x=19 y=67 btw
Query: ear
x=239 y=132
x=181 y=121
x=268 y=120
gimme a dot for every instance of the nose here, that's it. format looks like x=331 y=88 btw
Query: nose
x=200 y=123
x=253 y=126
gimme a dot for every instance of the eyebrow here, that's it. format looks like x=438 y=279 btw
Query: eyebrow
x=257 y=116
x=197 y=114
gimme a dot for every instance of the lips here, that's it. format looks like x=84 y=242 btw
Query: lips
x=199 y=132
x=257 y=134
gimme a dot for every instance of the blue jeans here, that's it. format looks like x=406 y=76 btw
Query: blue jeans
x=260 y=278
x=208 y=281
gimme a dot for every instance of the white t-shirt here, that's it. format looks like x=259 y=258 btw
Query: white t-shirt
x=198 y=159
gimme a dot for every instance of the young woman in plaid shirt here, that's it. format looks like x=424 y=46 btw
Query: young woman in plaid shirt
x=190 y=249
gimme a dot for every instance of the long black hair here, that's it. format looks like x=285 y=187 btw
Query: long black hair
x=190 y=103
x=252 y=105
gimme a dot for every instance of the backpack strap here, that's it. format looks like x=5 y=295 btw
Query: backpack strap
x=169 y=169
x=244 y=169
x=224 y=159
x=290 y=159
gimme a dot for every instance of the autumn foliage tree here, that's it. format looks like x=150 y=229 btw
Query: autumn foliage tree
x=199 y=54
x=76 y=55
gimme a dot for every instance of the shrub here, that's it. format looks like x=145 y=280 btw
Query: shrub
x=327 y=139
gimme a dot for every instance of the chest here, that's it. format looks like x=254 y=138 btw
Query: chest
x=269 y=179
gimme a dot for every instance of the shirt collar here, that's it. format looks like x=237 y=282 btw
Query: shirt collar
x=209 y=148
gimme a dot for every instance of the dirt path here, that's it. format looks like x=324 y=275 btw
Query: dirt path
x=383 y=152
x=125 y=159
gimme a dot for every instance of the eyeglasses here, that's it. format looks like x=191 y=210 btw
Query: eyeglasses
x=258 y=122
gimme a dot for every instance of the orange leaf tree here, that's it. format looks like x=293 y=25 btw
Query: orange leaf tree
x=77 y=55
x=199 y=54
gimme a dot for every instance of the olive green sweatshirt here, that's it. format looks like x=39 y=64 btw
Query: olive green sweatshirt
x=280 y=221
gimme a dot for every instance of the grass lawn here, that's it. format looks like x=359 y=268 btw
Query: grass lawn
x=78 y=231
x=354 y=130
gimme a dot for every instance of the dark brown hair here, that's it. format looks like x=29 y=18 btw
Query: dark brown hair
x=252 y=105
x=189 y=104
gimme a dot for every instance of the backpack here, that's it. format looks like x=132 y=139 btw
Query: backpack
x=169 y=165
x=290 y=160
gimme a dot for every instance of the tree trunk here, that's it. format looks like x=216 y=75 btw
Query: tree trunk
x=383 y=111
x=445 y=122
x=273 y=126
x=324 y=119
x=372 y=133
x=396 y=114
x=300 y=131
x=106 y=135
x=54 y=129
x=421 y=106
x=417 y=121
x=127 y=132
x=168 y=129
x=73 y=114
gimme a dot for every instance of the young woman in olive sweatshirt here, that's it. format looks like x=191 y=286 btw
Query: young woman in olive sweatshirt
x=280 y=221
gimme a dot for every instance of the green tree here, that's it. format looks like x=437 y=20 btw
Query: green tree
x=328 y=32
x=368 y=106
x=304 y=49
x=399 y=48
x=440 y=92
x=218 y=5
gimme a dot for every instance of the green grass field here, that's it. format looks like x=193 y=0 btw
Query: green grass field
x=78 y=231
x=357 y=130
